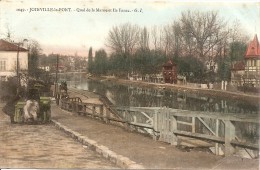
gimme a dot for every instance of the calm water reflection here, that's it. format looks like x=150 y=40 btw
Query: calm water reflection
x=126 y=95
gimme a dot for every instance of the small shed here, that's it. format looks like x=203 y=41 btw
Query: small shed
x=169 y=72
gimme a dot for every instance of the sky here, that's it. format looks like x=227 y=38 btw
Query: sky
x=73 y=32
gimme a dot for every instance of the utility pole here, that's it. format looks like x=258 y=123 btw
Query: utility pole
x=17 y=66
x=56 y=78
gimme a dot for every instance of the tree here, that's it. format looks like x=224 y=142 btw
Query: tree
x=177 y=39
x=172 y=39
x=157 y=37
x=237 y=50
x=90 y=60
x=203 y=31
x=191 y=67
x=238 y=42
x=100 y=62
x=144 y=39
x=33 y=58
x=123 y=39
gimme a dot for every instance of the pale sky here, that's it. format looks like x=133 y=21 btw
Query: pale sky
x=71 y=32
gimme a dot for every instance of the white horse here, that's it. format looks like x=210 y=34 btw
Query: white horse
x=31 y=109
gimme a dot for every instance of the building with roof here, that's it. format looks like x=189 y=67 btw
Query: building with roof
x=247 y=72
x=8 y=59
x=252 y=64
x=170 y=72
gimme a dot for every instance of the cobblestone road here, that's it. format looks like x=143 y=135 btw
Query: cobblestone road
x=43 y=146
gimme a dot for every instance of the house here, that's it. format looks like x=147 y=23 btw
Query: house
x=252 y=68
x=247 y=72
x=169 y=72
x=8 y=59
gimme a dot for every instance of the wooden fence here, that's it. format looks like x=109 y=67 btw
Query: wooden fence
x=99 y=111
x=225 y=130
x=166 y=124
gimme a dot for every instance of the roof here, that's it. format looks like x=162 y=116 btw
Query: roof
x=7 y=46
x=169 y=63
x=253 y=49
x=240 y=65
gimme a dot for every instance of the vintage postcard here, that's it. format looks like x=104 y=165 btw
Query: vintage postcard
x=113 y=84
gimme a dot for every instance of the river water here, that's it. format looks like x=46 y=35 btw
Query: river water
x=129 y=95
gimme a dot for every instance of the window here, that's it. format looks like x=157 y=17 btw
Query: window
x=2 y=65
x=248 y=62
x=253 y=63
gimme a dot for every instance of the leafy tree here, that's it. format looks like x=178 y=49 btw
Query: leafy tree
x=119 y=64
x=33 y=59
x=148 y=61
x=237 y=50
x=90 y=60
x=100 y=62
x=191 y=67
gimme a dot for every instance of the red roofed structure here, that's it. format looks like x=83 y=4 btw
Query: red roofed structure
x=253 y=49
x=7 y=46
x=10 y=54
x=247 y=72
x=170 y=72
x=252 y=67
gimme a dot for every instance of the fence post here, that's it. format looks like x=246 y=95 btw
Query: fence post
x=107 y=115
x=167 y=126
x=124 y=115
x=193 y=124
x=162 y=124
x=155 y=124
x=126 y=124
x=174 y=140
x=217 y=144
x=134 y=118
x=84 y=110
x=229 y=136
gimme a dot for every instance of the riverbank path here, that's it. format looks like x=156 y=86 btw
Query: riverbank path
x=44 y=146
x=142 y=149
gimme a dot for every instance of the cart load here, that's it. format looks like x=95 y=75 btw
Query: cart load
x=35 y=108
